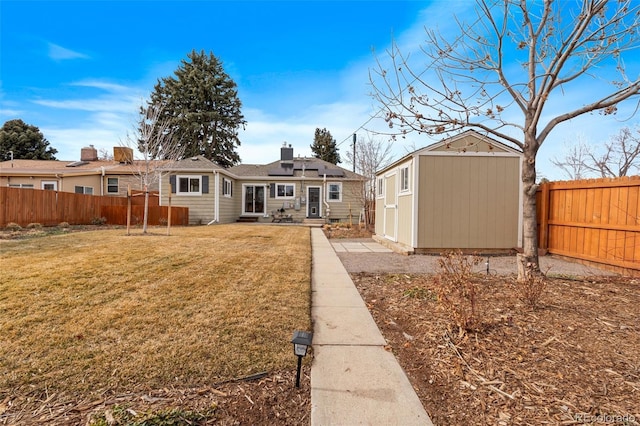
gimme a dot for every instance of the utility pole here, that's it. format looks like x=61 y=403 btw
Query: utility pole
x=354 y=153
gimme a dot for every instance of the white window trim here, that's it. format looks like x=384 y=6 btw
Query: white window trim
x=189 y=193
x=285 y=190
x=329 y=200
x=117 y=185
x=404 y=170
x=49 y=182
x=226 y=191
x=380 y=187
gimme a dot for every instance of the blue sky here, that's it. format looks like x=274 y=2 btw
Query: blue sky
x=79 y=70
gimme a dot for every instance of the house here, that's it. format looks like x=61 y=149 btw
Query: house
x=89 y=175
x=463 y=192
x=289 y=189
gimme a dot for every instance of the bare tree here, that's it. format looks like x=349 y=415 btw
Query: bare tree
x=153 y=139
x=105 y=154
x=620 y=157
x=371 y=155
x=501 y=70
x=574 y=163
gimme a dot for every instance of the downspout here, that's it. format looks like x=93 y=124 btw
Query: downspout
x=216 y=195
x=324 y=196
x=102 y=181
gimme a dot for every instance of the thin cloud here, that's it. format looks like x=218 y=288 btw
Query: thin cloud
x=59 y=53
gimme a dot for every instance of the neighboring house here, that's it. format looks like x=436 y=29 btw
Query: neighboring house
x=460 y=193
x=290 y=189
x=87 y=176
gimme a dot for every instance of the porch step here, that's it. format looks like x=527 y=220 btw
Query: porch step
x=318 y=222
x=247 y=219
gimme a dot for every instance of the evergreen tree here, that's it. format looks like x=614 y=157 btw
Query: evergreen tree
x=202 y=107
x=324 y=147
x=24 y=141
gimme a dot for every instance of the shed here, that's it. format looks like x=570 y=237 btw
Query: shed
x=463 y=192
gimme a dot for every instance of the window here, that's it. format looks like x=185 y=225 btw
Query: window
x=189 y=185
x=285 y=190
x=84 y=190
x=226 y=187
x=49 y=185
x=21 y=185
x=335 y=192
x=404 y=179
x=112 y=185
x=379 y=188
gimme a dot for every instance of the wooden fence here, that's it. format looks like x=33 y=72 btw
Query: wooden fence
x=595 y=220
x=49 y=208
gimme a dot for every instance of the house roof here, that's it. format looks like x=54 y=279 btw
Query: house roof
x=65 y=168
x=296 y=168
x=198 y=163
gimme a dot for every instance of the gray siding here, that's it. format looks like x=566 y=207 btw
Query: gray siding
x=468 y=202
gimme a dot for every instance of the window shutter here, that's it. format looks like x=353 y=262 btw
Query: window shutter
x=231 y=188
x=172 y=182
x=272 y=190
x=205 y=184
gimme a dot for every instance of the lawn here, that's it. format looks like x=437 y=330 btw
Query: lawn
x=94 y=314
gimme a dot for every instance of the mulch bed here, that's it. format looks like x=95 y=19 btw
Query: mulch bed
x=268 y=399
x=574 y=360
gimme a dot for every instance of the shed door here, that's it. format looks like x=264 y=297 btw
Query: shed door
x=390 y=207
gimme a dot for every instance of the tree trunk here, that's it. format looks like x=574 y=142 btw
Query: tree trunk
x=146 y=211
x=528 y=262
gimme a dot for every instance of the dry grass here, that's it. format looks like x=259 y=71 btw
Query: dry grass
x=105 y=313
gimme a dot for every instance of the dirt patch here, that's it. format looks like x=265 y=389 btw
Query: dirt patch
x=575 y=360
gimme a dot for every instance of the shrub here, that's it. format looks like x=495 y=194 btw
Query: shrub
x=98 y=220
x=458 y=289
x=530 y=289
x=34 y=225
x=12 y=226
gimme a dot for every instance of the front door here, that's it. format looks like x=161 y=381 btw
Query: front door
x=313 y=203
x=254 y=199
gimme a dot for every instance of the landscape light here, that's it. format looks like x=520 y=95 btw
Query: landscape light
x=301 y=342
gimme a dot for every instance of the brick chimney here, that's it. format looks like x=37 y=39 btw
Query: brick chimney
x=89 y=153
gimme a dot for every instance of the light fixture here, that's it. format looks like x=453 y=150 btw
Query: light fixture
x=301 y=342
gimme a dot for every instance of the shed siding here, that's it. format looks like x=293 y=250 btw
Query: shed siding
x=468 y=202
x=405 y=204
x=379 y=224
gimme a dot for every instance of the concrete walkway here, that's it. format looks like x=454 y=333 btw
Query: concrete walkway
x=354 y=380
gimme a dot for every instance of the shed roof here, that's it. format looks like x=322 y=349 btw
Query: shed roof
x=465 y=143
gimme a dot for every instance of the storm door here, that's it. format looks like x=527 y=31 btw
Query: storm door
x=313 y=204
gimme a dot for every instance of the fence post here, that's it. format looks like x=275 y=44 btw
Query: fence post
x=169 y=213
x=544 y=220
x=128 y=209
